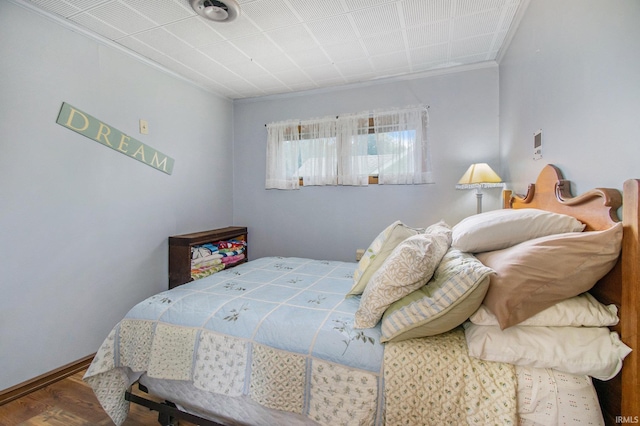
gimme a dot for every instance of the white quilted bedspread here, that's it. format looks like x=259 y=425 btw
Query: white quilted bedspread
x=433 y=381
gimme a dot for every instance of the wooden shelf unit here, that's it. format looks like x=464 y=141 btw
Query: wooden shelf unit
x=180 y=250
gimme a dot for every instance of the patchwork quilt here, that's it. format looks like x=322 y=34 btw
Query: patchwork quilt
x=278 y=330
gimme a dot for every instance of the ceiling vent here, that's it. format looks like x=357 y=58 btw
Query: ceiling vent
x=218 y=11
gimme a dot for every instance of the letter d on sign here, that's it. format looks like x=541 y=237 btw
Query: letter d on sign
x=72 y=114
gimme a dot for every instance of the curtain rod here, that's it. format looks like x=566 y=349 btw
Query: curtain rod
x=425 y=107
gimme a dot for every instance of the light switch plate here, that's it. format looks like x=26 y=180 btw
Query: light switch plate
x=144 y=127
x=537 y=145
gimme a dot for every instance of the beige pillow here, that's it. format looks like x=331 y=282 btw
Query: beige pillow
x=408 y=267
x=498 y=229
x=536 y=274
x=378 y=251
x=455 y=292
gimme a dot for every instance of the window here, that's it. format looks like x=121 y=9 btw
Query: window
x=350 y=149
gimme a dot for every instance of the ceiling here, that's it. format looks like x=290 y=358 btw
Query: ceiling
x=284 y=46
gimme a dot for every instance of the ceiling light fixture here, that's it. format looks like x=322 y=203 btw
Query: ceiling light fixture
x=217 y=11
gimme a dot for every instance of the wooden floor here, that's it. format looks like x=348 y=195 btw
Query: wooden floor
x=69 y=402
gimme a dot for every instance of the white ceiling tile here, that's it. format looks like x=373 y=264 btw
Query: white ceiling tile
x=228 y=30
x=309 y=10
x=310 y=58
x=470 y=7
x=268 y=82
x=509 y=13
x=270 y=14
x=385 y=43
x=293 y=38
x=98 y=26
x=256 y=46
x=275 y=64
x=220 y=74
x=279 y=46
x=246 y=69
x=472 y=25
x=122 y=17
x=144 y=49
x=323 y=73
x=163 y=41
x=196 y=60
x=348 y=50
x=355 y=67
x=84 y=4
x=391 y=61
x=57 y=7
x=419 y=12
x=428 y=55
x=160 y=11
x=363 y=4
x=223 y=52
x=194 y=32
x=470 y=46
x=332 y=31
x=376 y=20
x=428 y=34
x=294 y=77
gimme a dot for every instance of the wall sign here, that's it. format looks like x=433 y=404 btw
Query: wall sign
x=78 y=121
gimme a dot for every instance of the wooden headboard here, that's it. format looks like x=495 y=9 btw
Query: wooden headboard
x=598 y=209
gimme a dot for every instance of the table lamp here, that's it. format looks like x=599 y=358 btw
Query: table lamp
x=479 y=176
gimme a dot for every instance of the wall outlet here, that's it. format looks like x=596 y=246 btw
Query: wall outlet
x=359 y=254
x=144 y=127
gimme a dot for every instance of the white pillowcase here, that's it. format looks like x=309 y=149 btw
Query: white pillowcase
x=592 y=351
x=582 y=310
x=498 y=229
x=552 y=397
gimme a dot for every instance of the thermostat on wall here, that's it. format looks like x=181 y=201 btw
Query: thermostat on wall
x=537 y=145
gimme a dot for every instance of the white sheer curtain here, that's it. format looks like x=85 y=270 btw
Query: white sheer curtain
x=282 y=155
x=318 y=152
x=352 y=136
x=403 y=149
x=335 y=151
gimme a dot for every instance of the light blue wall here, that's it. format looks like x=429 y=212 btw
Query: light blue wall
x=83 y=228
x=332 y=222
x=573 y=70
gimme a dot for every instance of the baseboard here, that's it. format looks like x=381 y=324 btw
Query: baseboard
x=43 y=380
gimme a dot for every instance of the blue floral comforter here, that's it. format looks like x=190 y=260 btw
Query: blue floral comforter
x=276 y=330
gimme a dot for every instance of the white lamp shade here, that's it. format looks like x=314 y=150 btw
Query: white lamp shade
x=479 y=175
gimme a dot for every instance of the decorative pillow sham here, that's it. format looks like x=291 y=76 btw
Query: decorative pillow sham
x=498 y=229
x=378 y=251
x=593 y=351
x=455 y=292
x=579 y=311
x=409 y=267
x=536 y=274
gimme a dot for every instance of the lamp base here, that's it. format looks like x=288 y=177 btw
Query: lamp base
x=478 y=201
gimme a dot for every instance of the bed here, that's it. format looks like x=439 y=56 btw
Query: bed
x=230 y=349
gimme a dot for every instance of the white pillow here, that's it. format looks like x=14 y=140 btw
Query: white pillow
x=498 y=229
x=552 y=397
x=409 y=267
x=592 y=351
x=582 y=310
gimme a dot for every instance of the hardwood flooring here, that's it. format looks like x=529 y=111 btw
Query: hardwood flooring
x=69 y=402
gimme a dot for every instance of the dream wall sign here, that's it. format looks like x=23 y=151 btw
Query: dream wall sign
x=81 y=122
